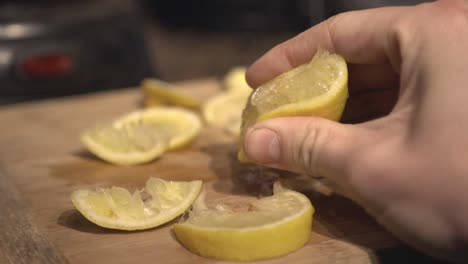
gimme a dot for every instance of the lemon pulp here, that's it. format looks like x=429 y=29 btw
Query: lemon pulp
x=127 y=144
x=143 y=136
x=116 y=208
x=268 y=227
x=181 y=125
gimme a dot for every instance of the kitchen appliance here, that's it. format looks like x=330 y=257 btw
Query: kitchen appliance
x=55 y=48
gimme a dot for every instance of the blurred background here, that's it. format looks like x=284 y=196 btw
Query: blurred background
x=53 y=48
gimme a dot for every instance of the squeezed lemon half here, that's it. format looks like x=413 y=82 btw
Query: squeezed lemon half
x=126 y=144
x=157 y=93
x=143 y=136
x=318 y=88
x=117 y=208
x=182 y=125
x=265 y=228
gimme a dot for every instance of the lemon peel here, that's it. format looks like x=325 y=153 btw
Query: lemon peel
x=117 y=208
x=270 y=227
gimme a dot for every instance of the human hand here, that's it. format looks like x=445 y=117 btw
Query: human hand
x=408 y=168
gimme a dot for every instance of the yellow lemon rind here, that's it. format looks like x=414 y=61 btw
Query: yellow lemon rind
x=170 y=114
x=248 y=244
x=120 y=158
x=78 y=198
x=157 y=92
x=318 y=106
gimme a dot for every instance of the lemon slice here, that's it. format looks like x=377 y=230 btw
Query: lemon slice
x=318 y=88
x=269 y=227
x=181 y=125
x=234 y=81
x=225 y=110
x=126 y=144
x=157 y=92
x=142 y=136
x=117 y=208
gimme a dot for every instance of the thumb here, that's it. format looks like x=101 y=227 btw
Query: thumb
x=310 y=145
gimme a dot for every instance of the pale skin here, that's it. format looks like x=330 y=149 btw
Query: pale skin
x=408 y=169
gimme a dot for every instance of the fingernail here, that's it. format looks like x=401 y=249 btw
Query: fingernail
x=262 y=146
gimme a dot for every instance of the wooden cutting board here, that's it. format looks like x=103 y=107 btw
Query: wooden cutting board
x=42 y=162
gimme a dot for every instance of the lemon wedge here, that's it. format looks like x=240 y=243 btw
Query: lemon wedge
x=264 y=228
x=117 y=208
x=143 y=136
x=181 y=125
x=225 y=110
x=126 y=144
x=318 y=88
x=157 y=92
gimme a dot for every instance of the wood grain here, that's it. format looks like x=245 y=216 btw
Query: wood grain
x=21 y=240
x=43 y=160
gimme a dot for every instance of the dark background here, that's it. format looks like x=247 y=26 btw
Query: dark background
x=112 y=44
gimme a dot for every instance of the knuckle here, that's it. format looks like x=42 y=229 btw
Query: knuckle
x=289 y=52
x=285 y=50
x=309 y=146
x=404 y=29
x=455 y=11
x=331 y=26
x=456 y=20
x=428 y=19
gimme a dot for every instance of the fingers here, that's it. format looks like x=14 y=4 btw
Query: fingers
x=314 y=146
x=361 y=37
